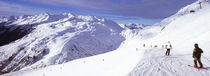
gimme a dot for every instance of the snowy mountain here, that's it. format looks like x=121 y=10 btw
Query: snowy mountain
x=3 y=19
x=132 y=59
x=41 y=40
x=133 y=26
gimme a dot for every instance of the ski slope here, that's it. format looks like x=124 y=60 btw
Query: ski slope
x=155 y=63
x=132 y=59
x=183 y=33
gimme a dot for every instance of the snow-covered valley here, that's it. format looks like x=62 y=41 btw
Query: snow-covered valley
x=90 y=46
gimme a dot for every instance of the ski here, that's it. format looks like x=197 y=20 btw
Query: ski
x=196 y=67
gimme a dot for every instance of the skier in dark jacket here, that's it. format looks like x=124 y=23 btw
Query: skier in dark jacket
x=197 y=56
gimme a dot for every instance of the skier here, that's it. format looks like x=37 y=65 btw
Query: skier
x=144 y=45
x=168 y=48
x=197 y=56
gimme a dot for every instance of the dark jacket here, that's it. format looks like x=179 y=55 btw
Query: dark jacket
x=197 y=52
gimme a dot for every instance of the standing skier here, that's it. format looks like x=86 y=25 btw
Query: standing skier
x=168 y=48
x=197 y=56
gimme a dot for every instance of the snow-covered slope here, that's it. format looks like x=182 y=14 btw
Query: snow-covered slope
x=118 y=62
x=132 y=59
x=189 y=28
x=182 y=12
x=55 y=39
x=183 y=33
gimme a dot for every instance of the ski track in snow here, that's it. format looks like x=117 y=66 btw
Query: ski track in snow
x=179 y=29
x=155 y=63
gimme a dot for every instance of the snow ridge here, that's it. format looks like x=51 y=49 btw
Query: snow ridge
x=133 y=26
x=56 y=39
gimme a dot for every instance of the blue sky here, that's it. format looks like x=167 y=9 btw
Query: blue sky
x=121 y=11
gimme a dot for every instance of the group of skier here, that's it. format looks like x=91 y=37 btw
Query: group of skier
x=197 y=51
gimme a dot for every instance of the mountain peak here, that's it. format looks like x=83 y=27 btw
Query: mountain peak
x=133 y=26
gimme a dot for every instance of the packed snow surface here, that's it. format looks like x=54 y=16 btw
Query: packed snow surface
x=132 y=59
x=183 y=33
